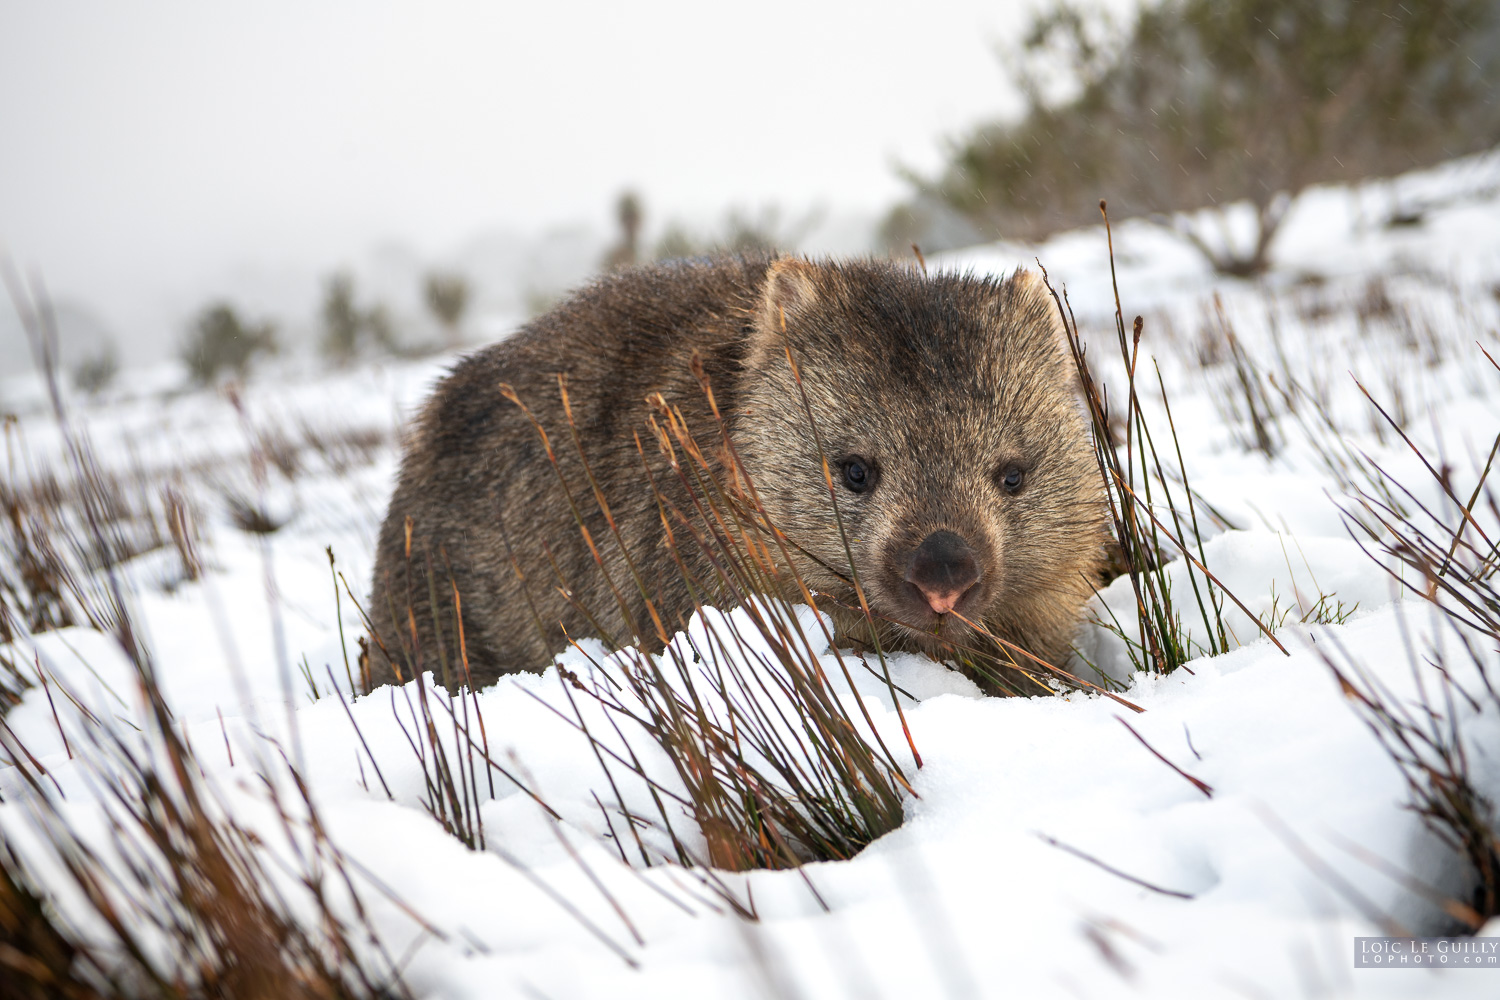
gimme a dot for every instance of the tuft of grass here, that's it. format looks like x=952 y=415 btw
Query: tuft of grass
x=33 y=581
x=1138 y=483
x=1424 y=738
x=439 y=714
x=181 y=900
x=1327 y=609
x=444 y=728
x=45 y=512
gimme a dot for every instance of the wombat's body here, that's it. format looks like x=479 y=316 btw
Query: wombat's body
x=945 y=407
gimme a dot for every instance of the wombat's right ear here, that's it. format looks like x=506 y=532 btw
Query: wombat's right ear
x=790 y=289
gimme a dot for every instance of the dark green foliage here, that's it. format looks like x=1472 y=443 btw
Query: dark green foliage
x=1210 y=102
x=220 y=340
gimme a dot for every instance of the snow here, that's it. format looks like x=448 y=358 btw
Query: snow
x=984 y=890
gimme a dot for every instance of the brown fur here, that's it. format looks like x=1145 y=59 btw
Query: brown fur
x=940 y=382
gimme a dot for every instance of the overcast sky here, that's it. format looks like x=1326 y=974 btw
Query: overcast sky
x=146 y=147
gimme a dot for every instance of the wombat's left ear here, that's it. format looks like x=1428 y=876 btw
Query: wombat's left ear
x=790 y=290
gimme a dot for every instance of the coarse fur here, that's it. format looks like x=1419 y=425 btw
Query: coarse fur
x=940 y=386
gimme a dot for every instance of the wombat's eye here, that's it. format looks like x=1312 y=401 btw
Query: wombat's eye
x=1011 y=477
x=859 y=475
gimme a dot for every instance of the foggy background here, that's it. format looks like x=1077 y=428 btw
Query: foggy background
x=157 y=155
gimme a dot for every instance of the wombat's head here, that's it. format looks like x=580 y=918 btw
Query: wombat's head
x=962 y=469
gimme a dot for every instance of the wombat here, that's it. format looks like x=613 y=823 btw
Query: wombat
x=944 y=404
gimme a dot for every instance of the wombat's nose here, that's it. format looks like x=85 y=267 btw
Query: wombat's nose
x=943 y=568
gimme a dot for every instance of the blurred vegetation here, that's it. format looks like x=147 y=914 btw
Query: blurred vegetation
x=447 y=297
x=346 y=327
x=1201 y=104
x=629 y=213
x=741 y=231
x=97 y=371
x=220 y=340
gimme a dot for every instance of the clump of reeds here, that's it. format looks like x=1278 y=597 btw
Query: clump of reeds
x=1249 y=402
x=439 y=714
x=1425 y=739
x=1153 y=509
x=46 y=541
x=146 y=507
x=32 y=586
x=180 y=900
x=1443 y=554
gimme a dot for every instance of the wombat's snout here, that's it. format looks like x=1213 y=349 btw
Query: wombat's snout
x=943 y=568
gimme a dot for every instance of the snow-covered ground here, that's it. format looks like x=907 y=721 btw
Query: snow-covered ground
x=982 y=891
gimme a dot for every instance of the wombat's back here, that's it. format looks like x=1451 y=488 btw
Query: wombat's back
x=479 y=508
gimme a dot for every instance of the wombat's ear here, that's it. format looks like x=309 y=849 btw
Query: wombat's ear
x=1032 y=302
x=790 y=290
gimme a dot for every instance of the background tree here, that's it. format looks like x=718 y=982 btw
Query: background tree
x=342 y=322
x=447 y=297
x=95 y=372
x=377 y=323
x=629 y=214
x=219 y=339
x=1205 y=103
x=346 y=327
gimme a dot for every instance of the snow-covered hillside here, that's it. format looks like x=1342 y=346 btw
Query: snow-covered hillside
x=1047 y=851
